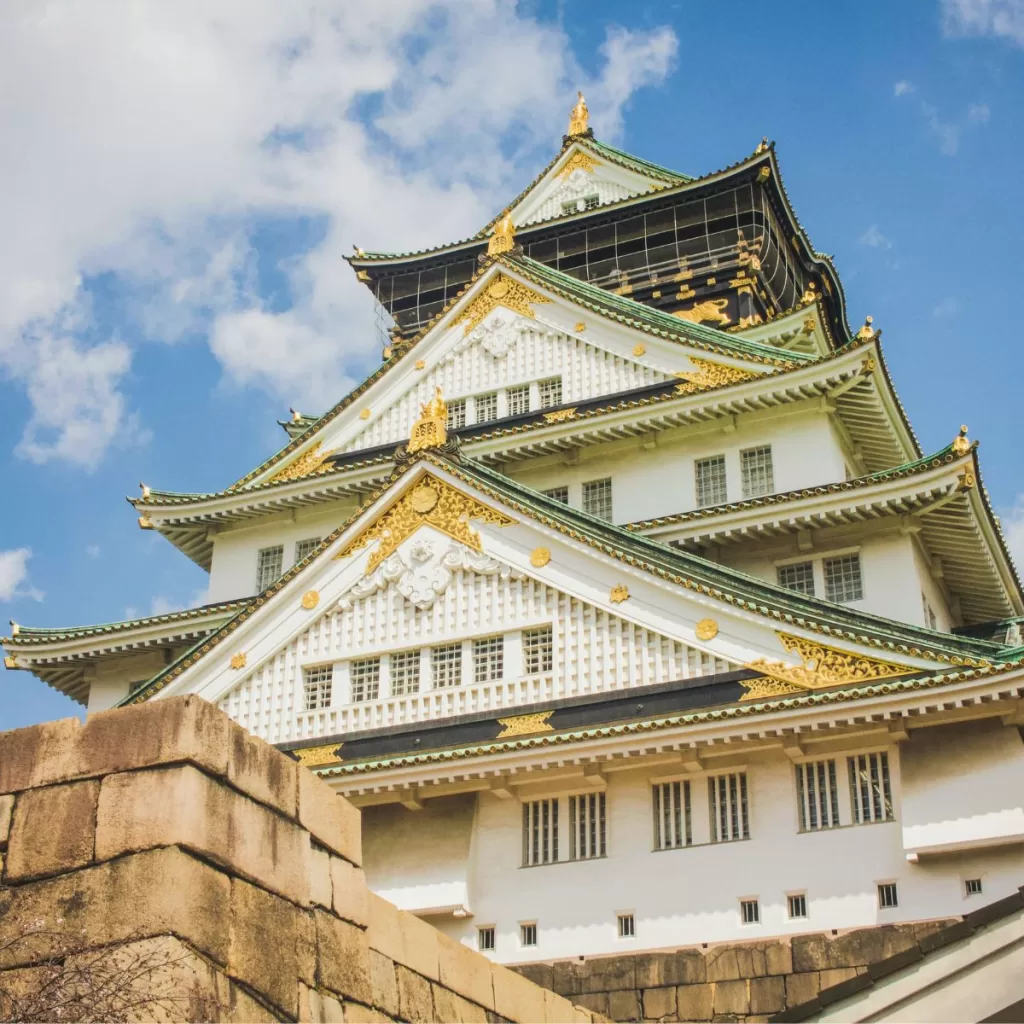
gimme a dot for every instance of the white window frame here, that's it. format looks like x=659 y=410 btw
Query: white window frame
x=435 y=661
x=782 y=567
x=518 y=391
x=541 y=823
x=864 y=796
x=672 y=814
x=734 y=804
x=457 y=414
x=887 y=884
x=598 y=498
x=766 y=466
x=818 y=790
x=364 y=688
x=528 y=929
x=802 y=896
x=700 y=493
x=626 y=923
x=416 y=657
x=587 y=821
x=550 y=401
x=315 y=695
x=263 y=579
x=840 y=556
x=755 y=904
x=491 y=932
x=310 y=544
x=491 y=399
x=538 y=651
x=488 y=658
x=556 y=493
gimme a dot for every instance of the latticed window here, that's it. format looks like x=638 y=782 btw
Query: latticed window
x=364 y=679
x=304 y=548
x=550 y=392
x=558 y=493
x=672 y=825
x=488 y=659
x=870 y=788
x=269 y=563
x=597 y=498
x=750 y=911
x=528 y=934
x=710 y=474
x=798 y=576
x=817 y=794
x=487 y=407
x=587 y=828
x=446 y=665
x=538 y=651
x=842 y=579
x=728 y=807
x=756 y=470
x=627 y=926
x=405 y=672
x=888 y=897
x=457 y=414
x=485 y=938
x=540 y=832
x=519 y=400
x=316 y=686
x=797 y=904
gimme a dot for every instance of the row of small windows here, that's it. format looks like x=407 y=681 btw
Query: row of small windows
x=757 y=476
x=512 y=401
x=841 y=575
x=270 y=561
x=597 y=497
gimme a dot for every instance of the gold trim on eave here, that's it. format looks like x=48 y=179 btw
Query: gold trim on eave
x=581 y=160
x=525 y=725
x=706 y=374
x=313 y=757
x=500 y=291
x=432 y=502
x=305 y=465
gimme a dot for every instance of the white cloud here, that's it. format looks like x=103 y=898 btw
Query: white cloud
x=143 y=141
x=978 y=113
x=999 y=18
x=1013 y=531
x=14 y=573
x=874 y=238
x=902 y=88
x=946 y=307
x=92 y=550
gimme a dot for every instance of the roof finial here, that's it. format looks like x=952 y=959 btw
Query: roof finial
x=358 y=251
x=961 y=443
x=145 y=490
x=579 y=118
x=867 y=332
x=296 y=415
x=15 y=628
x=504 y=237
x=431 y=429
x=761 y=146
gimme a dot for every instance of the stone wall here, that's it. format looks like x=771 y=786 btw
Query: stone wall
x=728 y=982
x=168 y=820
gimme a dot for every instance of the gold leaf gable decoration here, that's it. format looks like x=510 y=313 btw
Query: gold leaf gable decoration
x=579 y=161
x=500 y=291
x=706 y=374
x=305 y=465
x=822 y=667
x=432 y=502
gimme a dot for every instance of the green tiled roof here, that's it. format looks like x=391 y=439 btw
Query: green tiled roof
x=638 y=164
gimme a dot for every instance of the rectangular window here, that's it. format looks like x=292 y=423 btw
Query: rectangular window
x=887 y=896
x=538 y=651
x=587 y=828
x=750 y=912
x=929 y=613
x=528 y=934
x=597 y=498
x=487 y=407
x=591 y=202
x=870 y=790
x=405 y=672
x=558 y=493
x=457 y=414
x=364 y=679
x=797 y=905
x=519 y=400
x=550 y=392
x=973 y=886
x=485 y=939
x=446 y=665
x=672 y=824
x=627 y=926
x=817 y=795
x=710 y=474
x=488 y=659
x=842 y=579
x=756 y=469
x=304 y=548
x=798 y=576
x=316 y=686
x=540 y=832
x=728 y=807
x=269 y=564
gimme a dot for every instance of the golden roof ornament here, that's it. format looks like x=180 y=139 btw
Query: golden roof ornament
x=579 y=118
x=761 y=146
x=296 y=415
x=961 y=443
x=431 y=429
x=504 y=237
x=867 y=332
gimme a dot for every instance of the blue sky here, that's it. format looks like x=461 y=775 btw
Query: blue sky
x=177 y=189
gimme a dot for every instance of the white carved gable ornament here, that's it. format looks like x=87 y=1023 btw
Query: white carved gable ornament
x=497 y=335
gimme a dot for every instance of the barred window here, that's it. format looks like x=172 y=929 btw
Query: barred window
x=728 y=807
x=528 y=934
x=487 y=407
x=364 y=679
x=538 y=651
x=488 y=659
x=405 y=672
x=558 y=493
x=485 y=939
x=842 y=579
x=750 y=911
x=457 y=414
x=587 y=828
x=446 y=665
x=519 y=400
x=797 y=905
x=597 y=498
x=672 y=825
x=316 y=686
x=540 y=832
x=269 y=563
x=887 y=896
x=798 y=576
x=304 y=548
x=817 y=795
x=550 y=392
x=870 y=788
x=591 y=202
x=627 y=926
x=757 y=473
x=972 y=886
x=710 y=474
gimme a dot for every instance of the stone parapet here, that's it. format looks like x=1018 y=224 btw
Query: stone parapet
x=168 y=824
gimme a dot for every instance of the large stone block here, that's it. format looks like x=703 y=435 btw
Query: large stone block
x=403 y=937
x=539 y=974
x=318 y=1008
x=836 y=975
x=453 y=1009
x=464 y=971
x=695 y=1002
x=732 y=997
x=356 y=1013
x=659 y=1003
x=182 y=805
x=566 y=977
x=54 y=830
x=262 y=772
x=384 y=983
x=802 y=988
x=722 y=964
x=343 y=958
x=778 y=957
x=329 y=817
x=767 y=995
x=606 y=974
x=415 y=999
x=320 y=888
x=681 y=967
x=6 y=806
x=601 y=1002
x=623 y=1006
x=38 y=755
x=153 y=893
x=558 y=1009
x=349 y=892
x=515 y=998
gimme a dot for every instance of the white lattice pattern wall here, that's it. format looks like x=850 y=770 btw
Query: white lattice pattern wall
x=594 y=651
x=606 y=192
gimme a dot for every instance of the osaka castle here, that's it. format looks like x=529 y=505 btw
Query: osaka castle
x=621 y=595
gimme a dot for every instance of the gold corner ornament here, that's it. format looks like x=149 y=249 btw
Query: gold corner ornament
x=619 y=593
x=525 y=725
x=580 y=327
x=500 y=291
x=420 y=364
x=539 y=557
x=310 y=462
x=709 y=309
x=579 y=161
x=961 y=443
x=560 y=415
x=145 y=523
x=314 y=757
x=821 y=666
x=706 y=374
x=579 y=117
x=431 y=502
x=761 y=146
x=310 y=599
x=764 y=174
x=867 y=332
x=639 y=350
x=706 y=629
x=966 y=480
x=503 y=238
x=238 y=661
x=431 y=429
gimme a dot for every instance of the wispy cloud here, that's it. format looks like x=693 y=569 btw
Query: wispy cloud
x=1002 y=19
x=14 y=575
x=948 y=306
x=92 y=550
x=948 y=132
x=874 y=238
x=902 y=88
